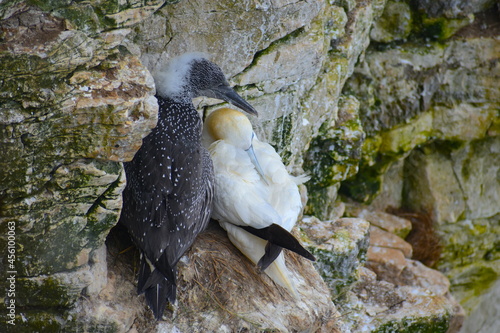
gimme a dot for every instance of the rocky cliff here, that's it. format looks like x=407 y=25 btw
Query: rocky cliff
x=392 y=107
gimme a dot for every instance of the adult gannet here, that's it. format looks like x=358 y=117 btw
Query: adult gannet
x=254 y=194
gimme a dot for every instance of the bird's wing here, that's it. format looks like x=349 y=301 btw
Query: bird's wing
x=148 y=185
x=284 y=194
x=188 y=203
x=167 y=201
x=241 y=194
x=271 y=163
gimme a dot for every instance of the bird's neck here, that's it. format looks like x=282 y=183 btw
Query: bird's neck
x=179 y=120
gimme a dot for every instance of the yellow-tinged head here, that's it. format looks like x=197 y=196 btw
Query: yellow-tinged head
x=231 y=126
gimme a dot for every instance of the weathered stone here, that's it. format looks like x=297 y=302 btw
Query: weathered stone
x=386 y=262
x=388 y=222
x=477 y=166
x=425 y=96
x=411 y=295
x=391 y=192
x=72 y=219
x=485 y=318
x=416 y=274
x=453 y=8
x=73 y=104
x=471 y=258
x=433 y=186
x=395 y=23
x=339 y=247
x=471 y=193
x=464 y=122
x=384 y=239
x=424 y=76
x=212 y=278
x=332 y=157
x=219 y=32
x=354 y=43
x=279 y=65
x=380 y=306
x=406 y=137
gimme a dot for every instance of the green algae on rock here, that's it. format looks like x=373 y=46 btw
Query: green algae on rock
x=333 y=156
x=340 y=250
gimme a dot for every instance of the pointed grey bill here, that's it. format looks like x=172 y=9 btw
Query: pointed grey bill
x=227 y=94
x=255 y=162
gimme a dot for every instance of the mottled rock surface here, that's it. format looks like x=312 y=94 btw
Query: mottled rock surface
x=340 y=249
x=73 y=103
x=430 y=110
x=220 y=290
x=395 y=293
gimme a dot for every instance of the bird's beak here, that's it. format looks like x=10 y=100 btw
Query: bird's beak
x=255 y=162
x=227 y=94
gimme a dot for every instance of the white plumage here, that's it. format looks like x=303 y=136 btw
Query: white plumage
x=171 y=79
x=250 y=190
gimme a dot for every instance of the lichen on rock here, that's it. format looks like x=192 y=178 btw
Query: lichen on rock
x=73 y=105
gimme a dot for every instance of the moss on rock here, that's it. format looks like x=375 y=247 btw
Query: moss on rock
x=416 y=325
x=334 y=155
x=340 y=249
x=471 y=258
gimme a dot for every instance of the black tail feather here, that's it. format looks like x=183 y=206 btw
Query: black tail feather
x=144 y=273
x=158 y=295
x=272 y=252
x=157 y=289
x=278 y=235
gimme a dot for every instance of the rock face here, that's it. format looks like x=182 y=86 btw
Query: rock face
x=395 y=293
x=73 y=103
x=219 y=290
x=433 y=125
x=390 y=103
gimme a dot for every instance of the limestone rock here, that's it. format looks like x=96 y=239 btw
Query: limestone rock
x=409 y=294
x=332 y=157
x=464 y=122
x=433 y=186
x=388 y=222
x=391 y=191
x=73 y=104
x=212 y=281
x=417 y=274
x=412 y=94
x=486 y=314
x=395 y=23
x=385 y=261
x=477 y=166
x=424 y=77
x=381 y=238
x=219 y=28
x=466 y=200
x=340 y=249
x=453 y=8
x=381 y=306
x=470 y=188
x=470 y=258
x=431 y=107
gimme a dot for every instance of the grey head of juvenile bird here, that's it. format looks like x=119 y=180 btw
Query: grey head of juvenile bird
x=193 y=75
